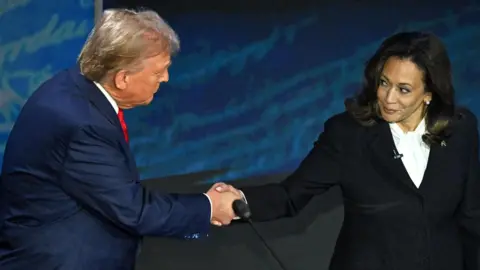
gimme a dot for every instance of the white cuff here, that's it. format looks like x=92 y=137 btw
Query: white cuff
x=211 y=206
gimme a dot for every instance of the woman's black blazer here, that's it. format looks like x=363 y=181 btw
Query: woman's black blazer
x=389 y=223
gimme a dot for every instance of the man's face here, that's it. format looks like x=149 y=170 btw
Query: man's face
x=136 y=89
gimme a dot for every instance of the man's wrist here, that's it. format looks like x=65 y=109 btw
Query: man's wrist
x=211 y=205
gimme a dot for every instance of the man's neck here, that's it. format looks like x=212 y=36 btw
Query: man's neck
x=107 y=96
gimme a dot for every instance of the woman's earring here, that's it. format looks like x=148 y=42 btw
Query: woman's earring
x=427 y=102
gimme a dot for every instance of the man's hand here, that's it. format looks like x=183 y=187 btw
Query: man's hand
x=222 y=212
x=222 y=187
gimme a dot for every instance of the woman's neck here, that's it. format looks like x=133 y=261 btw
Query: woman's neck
x=411 y=123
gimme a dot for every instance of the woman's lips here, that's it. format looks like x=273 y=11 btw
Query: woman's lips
x=389 y=111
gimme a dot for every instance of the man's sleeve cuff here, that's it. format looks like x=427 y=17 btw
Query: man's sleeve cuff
x=211 y=206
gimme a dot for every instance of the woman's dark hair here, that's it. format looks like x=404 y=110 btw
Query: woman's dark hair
x=429 y=54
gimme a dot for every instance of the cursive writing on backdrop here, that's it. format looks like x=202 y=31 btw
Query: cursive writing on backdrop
x=249 y=96
x=38 y=39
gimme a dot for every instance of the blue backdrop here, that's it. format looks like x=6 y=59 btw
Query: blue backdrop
x=37 y=39
x=249 y=92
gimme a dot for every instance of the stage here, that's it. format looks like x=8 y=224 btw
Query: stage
x=303 y=243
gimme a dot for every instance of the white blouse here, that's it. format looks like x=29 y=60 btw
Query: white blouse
x=413 y=150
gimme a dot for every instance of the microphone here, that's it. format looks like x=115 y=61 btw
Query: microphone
x=242 y=210
x=397 y=155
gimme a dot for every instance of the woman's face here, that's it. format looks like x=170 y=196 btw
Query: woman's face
x=401 y=94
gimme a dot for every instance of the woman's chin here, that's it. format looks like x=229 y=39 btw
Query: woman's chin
x=390 y=118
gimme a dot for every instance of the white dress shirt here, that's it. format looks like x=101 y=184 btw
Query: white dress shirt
x=107 y=95
x=115 y=107
x=415 y=152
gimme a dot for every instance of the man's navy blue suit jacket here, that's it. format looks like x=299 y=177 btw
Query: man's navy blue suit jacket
x=70 y=196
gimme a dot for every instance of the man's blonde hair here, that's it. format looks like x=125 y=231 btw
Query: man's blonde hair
x=122 y=39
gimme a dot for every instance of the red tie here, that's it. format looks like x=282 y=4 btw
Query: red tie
x=123 y=124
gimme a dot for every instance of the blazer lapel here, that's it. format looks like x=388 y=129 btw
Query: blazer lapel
x=437 y=161
x=95 y=96
x=383 y=150
x=98 y=100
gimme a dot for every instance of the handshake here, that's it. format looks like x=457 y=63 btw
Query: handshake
x=222 y=197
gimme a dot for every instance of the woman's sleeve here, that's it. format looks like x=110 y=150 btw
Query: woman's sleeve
x=318 y=171
x=470 y=207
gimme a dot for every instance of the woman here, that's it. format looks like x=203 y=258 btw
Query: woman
x=406 y=160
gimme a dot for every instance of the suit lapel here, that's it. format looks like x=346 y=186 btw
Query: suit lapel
x=437 y=161
x=383 y=150
x=96 y=97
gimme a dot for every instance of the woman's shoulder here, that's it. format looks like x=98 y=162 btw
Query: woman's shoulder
x=343 y=121
x=464 y=120
x=342 y=128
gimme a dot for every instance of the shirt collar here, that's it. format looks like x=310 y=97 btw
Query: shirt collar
x=399 y=133
x=107 y=95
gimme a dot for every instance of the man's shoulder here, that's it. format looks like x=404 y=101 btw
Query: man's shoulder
x=60 y=96
x=61 y=80
x=57 y=107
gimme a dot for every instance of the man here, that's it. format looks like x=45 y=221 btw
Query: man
x=70 y=193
